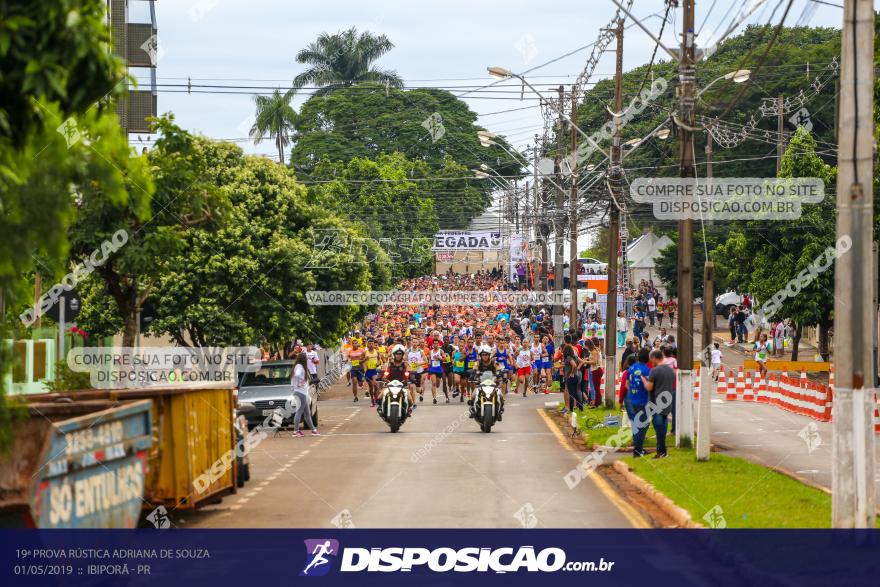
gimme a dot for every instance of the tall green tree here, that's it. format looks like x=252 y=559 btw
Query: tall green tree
x=182 y=197
x=762 y=257
x=242 y=277
x=56 y=71
x=384 y=198
x=275 y=118
x=344 y=59
x=245 y=281
x=433 y=126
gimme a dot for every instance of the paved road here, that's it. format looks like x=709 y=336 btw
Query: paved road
x=440 y=471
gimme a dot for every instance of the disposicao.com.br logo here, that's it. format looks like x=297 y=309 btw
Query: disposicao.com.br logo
x=443 y=560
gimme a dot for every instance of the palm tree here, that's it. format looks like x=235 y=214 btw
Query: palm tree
x=275 y=118
x=345 y=59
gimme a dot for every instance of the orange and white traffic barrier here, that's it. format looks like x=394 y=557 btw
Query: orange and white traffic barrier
x=761 y=393
x=730 y=394
x=740 y=389
x=722 y=381
x=876 y=416
x=749 y=391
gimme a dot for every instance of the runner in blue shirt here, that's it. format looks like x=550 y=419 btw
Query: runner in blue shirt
x=502 y=357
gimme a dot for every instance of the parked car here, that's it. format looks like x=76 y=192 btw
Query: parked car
x=268 y=388
x=588 y=263
x=727 y=301
x=243 y=461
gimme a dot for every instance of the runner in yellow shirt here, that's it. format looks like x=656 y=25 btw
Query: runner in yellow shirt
x=371 y=364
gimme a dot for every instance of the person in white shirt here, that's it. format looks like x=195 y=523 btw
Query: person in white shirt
x=312 y=361
x=652 y=309
x=523 y=368
x=300 y=383
x=779 y=339
x=622 y=329
x=716 y=361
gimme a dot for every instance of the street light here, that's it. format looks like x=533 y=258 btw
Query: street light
x=487 y=140
x=503 y=73
x=739 y=76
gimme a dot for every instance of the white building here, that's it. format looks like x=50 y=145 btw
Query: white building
x=641 y=255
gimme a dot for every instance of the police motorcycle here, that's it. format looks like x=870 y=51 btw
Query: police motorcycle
x=394 y=406
x=488 y=405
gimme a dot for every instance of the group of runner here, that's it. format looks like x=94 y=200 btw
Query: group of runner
x=443 y=343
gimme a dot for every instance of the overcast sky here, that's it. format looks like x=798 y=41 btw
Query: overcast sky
x=446 y=44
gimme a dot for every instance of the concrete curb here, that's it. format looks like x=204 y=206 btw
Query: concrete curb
x=777 y=469
x=680 y=515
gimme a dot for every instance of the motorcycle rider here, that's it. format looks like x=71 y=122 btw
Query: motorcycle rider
x=486 y=363
x=397 y=371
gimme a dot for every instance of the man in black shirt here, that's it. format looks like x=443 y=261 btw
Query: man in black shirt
x=660 y=384
x=739 y=321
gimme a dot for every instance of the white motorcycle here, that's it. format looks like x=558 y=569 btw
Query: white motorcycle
x=394 y=405
x=488 y=405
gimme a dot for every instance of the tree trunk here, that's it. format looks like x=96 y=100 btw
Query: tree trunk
x=796 y=341
x=280 y=150
x=129 y=333
x=824 y=327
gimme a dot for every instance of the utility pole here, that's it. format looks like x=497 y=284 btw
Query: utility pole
x=545 y=227
x=559 y=253
x=780 y=130
x=614 y=232
x=573 y=220
x=684 y=428
x=853 y=497
x=539 y=226
x=708 y=157
x=704 y=410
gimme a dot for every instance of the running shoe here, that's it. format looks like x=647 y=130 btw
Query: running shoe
x=298 y=433
x=421 y=398
x=355 y=398
x=435 y=401
x=315 y=433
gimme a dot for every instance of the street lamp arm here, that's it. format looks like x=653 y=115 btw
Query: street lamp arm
x=497 y=70
x=646 y=137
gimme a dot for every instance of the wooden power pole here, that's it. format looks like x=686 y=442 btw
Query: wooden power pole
x=559 y=253
x=684 y=427
x=780 y=130
x=614 y=232
x=573 y=219
x=853 y=500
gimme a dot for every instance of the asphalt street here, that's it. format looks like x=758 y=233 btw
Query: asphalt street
x=439 y=471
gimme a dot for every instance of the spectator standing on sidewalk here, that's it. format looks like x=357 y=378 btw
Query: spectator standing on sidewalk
x=660 y=383
x=652 y=309
x=638 y=323
x=300 y=383
x=621 y=329
x=740 y=322
x=731 y=325
x=779 y=339
x=636 y=400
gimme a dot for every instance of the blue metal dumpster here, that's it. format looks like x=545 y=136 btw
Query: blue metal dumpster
x=77 y=465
